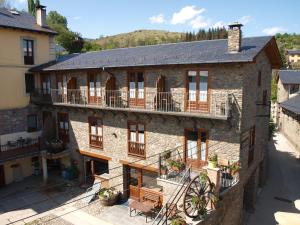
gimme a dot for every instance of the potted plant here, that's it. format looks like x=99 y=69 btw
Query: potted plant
x=166 y=155
x=178 y=221
x=200 y=205
x=213 y=161
x=234 y=168
x=163 y=170
x=176 y=165
x=108 y=196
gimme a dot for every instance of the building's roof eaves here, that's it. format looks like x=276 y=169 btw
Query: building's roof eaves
x=293 y=51
x=293 y=104
x=183 y=53
x=289 y=76
x=22 y=21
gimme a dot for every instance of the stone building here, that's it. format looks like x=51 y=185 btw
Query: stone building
x=293 y=56
x=24 y=42
x=287 y=105
x=118 y=110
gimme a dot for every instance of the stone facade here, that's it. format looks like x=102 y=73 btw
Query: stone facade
x=289 y=125
x=227 y=138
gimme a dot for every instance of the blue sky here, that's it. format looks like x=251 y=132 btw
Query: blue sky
x=99 y=17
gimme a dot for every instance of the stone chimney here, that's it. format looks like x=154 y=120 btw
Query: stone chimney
x=234 y=37
x=41 y=15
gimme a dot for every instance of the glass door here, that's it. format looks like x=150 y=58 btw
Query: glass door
x=135 y=183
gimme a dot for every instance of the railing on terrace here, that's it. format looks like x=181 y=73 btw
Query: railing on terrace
x=170 y=209
x=136 y=149
x=20 y=147
x=214 y=104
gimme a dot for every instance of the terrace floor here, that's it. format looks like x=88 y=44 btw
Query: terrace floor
x=59 y=202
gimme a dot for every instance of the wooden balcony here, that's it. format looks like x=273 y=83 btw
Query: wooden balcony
x=96 y=141
x=215 y=105
x=19 y=149
x=136 y=149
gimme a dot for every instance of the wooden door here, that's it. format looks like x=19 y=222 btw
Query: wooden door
x=94 y=88
x=135 y=182
x=71 y=90
x=136 y=89
x=63 y=127
x=2 y=176
x=111 y=95
x=197 y=94
x=196 y=151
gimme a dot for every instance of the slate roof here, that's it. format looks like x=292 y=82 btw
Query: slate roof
x=289 y=76
x=23 y=21
x=197 y=52
x=294 y=51
x=293 y=104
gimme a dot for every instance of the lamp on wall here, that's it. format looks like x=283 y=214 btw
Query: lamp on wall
x=115 y=135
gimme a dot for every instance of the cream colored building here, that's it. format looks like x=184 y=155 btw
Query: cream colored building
x=294 y=57
x=25 y=42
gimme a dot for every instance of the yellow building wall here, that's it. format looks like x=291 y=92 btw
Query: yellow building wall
x=12 y=68
x=24 y=170
x=294 y=58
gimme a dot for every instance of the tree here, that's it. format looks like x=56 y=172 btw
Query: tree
x=31 y=4
x=4 y=4
x=54 y=18
x=90 y=46
x=71 y=41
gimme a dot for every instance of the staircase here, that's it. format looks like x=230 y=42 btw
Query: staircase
x=173 y=207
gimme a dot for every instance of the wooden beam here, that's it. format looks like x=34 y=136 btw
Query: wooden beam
x=139 y=166
x=94 y=155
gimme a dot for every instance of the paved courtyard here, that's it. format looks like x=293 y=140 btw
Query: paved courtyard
x=283 y=184
x=59 y=203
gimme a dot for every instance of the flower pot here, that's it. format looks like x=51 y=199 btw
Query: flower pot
x=109 y=201
x=212 y=164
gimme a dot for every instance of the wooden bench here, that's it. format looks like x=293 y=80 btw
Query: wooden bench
x=142 y=207
x=151 y=199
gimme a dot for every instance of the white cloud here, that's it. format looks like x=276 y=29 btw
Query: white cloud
x=186 y=14
x=219 y=24
x=200 y=22
x=273 y=30
x=76 y=18
x=160 y=18
x=245 y=19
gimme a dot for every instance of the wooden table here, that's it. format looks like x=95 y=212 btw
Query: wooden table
x=146 y=209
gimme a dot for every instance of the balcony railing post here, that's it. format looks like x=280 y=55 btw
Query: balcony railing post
x=159 y=165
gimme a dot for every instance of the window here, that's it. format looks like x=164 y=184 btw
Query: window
x=251 y=145
x=294 y=88
x=259 y=79
x=196 y=151
x=63 y=126
x=45 y=80
x=136 y=88
x=32 y=123
x=29 y=82
x=28 y=52
x=96 y=132
x=136 y=139
x=197 y=89
x=265 y=97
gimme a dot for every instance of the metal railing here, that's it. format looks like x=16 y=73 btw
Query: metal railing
x=213 y=104
x=19 y=147
x=170 y=207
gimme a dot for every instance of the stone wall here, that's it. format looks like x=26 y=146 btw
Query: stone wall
x=229 y=208
x=15 y=120
x=289 y=125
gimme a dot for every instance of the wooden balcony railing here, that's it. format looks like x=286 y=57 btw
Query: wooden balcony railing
x=136 y=149
x=20 y=148
x=213 y=105
x=96 y=141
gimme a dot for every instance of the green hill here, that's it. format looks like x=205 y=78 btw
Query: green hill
x=139 y=37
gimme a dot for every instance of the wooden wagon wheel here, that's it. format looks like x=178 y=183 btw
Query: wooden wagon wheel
x=199 y=193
